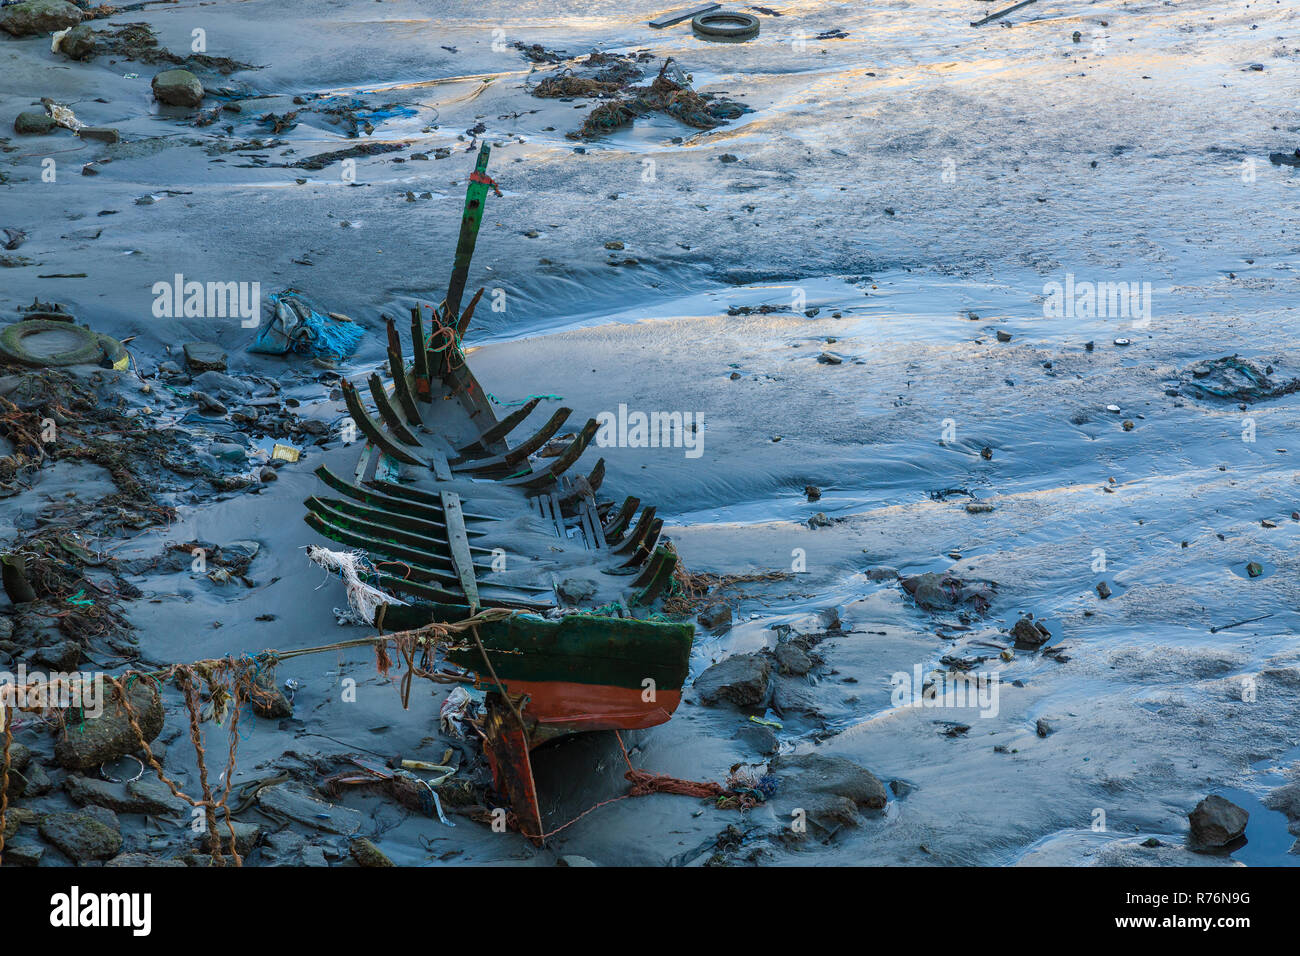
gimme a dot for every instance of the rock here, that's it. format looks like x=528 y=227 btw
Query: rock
x=716 y=617
x=572 y=859
x=142 y=859
x=146 y=795
x=1216 y=822
x=271 y=703
x=831 y=790
x=1003 y=336
x=33 y=123
x=291 y=800
x=1027 y=631
x=794 y=695
x=83 y=835
x=1042 y=727
x=576 y=590
x=901 y=788
x=314 y=856
x=792 y=659
x=761 y=738
x=941 y=592
x=1103 y=590
x=247 y=836
x=222 y=385
x=204 y=357
x=978 y=507
x=1286 y=800
x=104 y=134
x=179 y=88
x=38 y=781
x=96 y=740
x=60 y=657
x=741 y=679
x=367 y=854
x=78 y=43
x=207 y=404
x=812 y=492
x=830 y=358
x=267 y=474
x=23 y=854
x=819 y=520
x=227 y=451
x=881 y=573
x=39 y=16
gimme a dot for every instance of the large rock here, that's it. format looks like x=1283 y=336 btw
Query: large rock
x=204 y=357
x=831 y=790
x=942 y=592
x=247 y=836
x=78 y=43
x=84 y=835
x=1216 y=822
x=793 y=659
x=33 y=123
x=741 y=679
x=293 y=802
x=146 y=795
x=39 y=16
x=23 y=854
x=178 y=88
x=88 y=743
x=1286 y=800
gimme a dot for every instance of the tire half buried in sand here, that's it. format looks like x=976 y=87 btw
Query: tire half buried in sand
x=42 y=342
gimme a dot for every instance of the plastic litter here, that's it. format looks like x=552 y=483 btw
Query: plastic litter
x=297 y=326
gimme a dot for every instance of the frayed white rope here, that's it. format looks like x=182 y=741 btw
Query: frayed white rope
x=363 y=599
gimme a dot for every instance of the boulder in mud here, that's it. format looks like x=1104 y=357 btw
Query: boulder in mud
x=33 y=123
x=831 y=790
x=293 y=802
x=792 y=659
x=1029 y=633
x=36 y=17
x=204 y=356
x=78 y=43
x=1232 y=378
x=716 y=618
x=741 y=679
x=943 y=592
x=179 y=88
x=247 y=836
x=90 y=834
x=146 y=795
x=1216 y=822
x=87 y=743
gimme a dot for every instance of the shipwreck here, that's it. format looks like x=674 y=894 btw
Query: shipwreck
x=461 y=512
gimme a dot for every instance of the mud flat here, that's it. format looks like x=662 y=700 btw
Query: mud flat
x=861 y=302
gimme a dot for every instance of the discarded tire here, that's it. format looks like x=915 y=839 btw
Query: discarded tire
x=41 y=342
x=725 y=25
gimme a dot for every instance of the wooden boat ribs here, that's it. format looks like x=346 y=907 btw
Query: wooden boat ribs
x=457 y=513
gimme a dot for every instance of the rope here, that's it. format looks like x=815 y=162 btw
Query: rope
x=4 y=777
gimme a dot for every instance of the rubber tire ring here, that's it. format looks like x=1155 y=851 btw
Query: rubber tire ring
x=87 y=353
x=725 y=25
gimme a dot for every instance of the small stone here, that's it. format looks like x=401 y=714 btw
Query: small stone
x=986 y=453
x=812 y=492
x=1103 y=590
x=830 y=358
x=728 y=158
x=978 y=507
x=78 y=44
x=267 y=474
x=23 y=854
x=1003 y=336
x=1216 y=822
x=204 y=357
x=83 y=835
x=247 y=836
x=792 y=659
x=207 y=404
x=819 y=520
x=613 y=244
x=1254 y=569
x=1042 y=727
x=367 y=854
x=741 y=679
x=716 y=618
x=178 y=88
x=572 y=859
x=576 y=590
x=33 y=123
x=1026 y=631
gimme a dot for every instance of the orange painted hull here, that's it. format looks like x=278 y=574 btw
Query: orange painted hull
x=560 y=706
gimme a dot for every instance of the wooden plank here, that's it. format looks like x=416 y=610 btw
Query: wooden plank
x=388 y=413
x=515 y=456
x=372 y=430
x=671 y=19
x=459 y=543
x=441 y=467
x=480 y=448
x=1001 y=13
